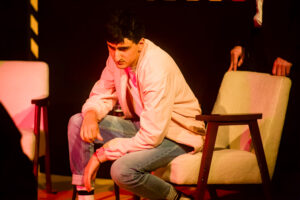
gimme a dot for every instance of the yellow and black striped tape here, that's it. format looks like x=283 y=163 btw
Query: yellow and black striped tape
x=34 y=26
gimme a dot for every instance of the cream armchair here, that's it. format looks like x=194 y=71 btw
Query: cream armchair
x=235 y=158
x=24 y=91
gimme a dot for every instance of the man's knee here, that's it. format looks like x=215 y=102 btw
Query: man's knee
x=123 y=174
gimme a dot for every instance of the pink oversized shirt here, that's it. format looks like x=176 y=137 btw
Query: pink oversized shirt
x=169 y=105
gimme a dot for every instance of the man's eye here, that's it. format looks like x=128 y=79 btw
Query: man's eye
x=112 y=48
x=123 y=48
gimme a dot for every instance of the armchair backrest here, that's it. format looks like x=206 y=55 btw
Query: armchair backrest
x=20 y=82
x=252 y=92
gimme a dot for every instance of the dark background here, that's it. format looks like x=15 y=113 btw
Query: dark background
x=198 y=35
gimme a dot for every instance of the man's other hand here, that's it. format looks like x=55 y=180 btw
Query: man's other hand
x=90 y=172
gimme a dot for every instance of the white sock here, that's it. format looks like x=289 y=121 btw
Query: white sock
x=83 y=194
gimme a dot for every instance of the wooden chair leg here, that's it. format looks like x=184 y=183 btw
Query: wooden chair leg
x=117 y=191
x=207 y=153
x=261 y=159
x=37 y=117
x=74 y=194
x=47 y=154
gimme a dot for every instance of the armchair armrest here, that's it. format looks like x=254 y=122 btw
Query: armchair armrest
x=44 y=101
x=229 y=118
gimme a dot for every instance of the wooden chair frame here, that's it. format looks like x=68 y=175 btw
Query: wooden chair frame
x=213 y=122
x=41 y=105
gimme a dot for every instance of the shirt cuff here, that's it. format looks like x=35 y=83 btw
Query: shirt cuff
x=101 y=155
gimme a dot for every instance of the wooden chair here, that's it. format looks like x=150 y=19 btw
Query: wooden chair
x=24 y=91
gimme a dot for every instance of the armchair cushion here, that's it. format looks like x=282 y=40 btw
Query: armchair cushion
x=28 y=142
x=229 y=166
x=20 y=83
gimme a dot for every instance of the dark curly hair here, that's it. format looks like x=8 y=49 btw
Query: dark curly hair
x=124 y=24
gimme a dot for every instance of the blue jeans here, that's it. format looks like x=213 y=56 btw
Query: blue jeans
x=133 y=170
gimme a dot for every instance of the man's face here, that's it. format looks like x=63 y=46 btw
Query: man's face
x=126 y=53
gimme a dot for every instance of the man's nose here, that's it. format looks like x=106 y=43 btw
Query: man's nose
x=117 y=55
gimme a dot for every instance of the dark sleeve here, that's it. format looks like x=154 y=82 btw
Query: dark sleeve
x=281 y=28
x=243 y=27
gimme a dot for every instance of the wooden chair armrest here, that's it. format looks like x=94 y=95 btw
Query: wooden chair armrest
x=41 y=101
x=229 y=118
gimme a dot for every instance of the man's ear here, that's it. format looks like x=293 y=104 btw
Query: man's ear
x=141 y=44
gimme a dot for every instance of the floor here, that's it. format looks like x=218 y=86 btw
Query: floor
x=104 y=190
x=62 y=189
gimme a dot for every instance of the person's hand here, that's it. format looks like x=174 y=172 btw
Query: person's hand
x=113 y=142
x=90 y=172
x=237 y=55
x=281 y=67
x=90 y=129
